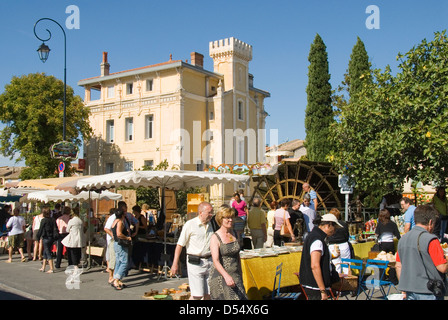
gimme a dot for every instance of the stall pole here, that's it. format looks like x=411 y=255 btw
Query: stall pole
x=165 y=269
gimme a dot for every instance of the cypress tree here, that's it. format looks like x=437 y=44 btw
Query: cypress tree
x=319 y=112
x=358 y=69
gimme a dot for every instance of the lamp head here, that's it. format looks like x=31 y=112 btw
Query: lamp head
x=43 y=52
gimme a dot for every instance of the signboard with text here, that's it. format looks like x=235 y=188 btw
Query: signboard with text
x=64 y=150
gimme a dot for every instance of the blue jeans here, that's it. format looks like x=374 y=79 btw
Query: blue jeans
x=421 y=296
x=121 y=261
x=48 y=246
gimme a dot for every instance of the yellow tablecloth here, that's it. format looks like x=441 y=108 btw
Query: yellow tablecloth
x=362 y=249
x=259 y=273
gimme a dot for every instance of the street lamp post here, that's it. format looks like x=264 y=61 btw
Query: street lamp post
x=44 y=51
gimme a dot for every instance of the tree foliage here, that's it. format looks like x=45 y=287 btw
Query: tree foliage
x=32 y=109
x=358 y=72
x=358 y=69
x=319 y=112
x=398 y=126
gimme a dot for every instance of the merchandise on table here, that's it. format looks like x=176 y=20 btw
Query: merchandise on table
x=269 y=252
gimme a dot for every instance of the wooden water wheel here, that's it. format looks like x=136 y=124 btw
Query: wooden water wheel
x=287 y=183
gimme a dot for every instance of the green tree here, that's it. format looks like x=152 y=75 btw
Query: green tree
x=32 y=109
x=358 y=71
x=319 y=112
x=398 y=127
x=358 y=68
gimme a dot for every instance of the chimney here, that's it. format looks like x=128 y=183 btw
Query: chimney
x=197 y=59
x=105 y=66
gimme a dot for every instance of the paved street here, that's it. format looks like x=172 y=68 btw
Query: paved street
x=22 y=280
x=19 y=280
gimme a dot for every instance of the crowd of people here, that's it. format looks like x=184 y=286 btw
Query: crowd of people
x=212 y=242
x=58 y=233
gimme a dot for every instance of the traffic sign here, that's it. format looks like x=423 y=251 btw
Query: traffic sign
x=346 y=188
x=61 y=167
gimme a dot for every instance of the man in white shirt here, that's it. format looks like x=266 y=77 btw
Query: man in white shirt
x=195 y=237
x=16 y=235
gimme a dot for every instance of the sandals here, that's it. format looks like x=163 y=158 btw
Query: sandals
x=24 y=259
x=116 y=287
x=42 y=270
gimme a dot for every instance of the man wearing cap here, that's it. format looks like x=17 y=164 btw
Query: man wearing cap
x=315 y=271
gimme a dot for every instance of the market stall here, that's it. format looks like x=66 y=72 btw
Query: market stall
x=177 y=179
x=258 y=267
x=96 y=239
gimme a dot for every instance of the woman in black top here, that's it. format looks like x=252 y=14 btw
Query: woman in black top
x=386 y=230
x=142 y=222
x=122 y=242
x=48 y=232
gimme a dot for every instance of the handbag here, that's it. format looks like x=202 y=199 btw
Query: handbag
x=124 y=242
x=437 y=287
x=284 y=232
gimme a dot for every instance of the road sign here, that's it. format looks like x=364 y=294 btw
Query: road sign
x=346 y=188
x=61 y=167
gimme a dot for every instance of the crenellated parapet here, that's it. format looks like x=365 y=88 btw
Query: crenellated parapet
x=230 y=47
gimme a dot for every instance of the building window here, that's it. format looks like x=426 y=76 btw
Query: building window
x=128 y=165
x=211 y=116
x=149 y=126
x=111 y=92
x=129 y=88
x=110 y=131
x=129 y=129
x=240 y=110
x=109 y=167
x=149 y=85
x=95 y=94
x=149 y=164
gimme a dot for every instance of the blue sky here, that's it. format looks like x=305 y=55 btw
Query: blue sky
x=137 y=33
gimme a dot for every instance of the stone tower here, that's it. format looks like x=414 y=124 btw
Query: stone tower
x=231 y=58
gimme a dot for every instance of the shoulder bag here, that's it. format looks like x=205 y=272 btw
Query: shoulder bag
x=437 y=287
x=284 y=232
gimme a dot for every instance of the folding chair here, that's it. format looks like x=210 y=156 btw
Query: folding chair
x=375 y=280
x=304 y=292
x=276 y=294
x=349 y=282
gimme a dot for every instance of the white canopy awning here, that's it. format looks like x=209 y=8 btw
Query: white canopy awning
x=177 y=179
x=59 y=195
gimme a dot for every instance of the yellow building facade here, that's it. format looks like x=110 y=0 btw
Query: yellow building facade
x=176 y=111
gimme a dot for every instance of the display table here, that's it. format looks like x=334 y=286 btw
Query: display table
x=362 y=249
x=259 y=273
